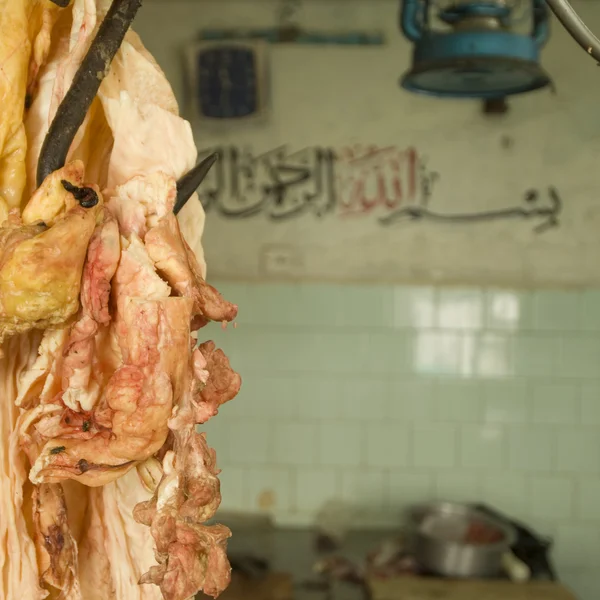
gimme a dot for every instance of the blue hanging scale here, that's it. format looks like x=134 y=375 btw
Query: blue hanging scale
x=480 y=57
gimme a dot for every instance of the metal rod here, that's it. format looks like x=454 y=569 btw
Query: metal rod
x=77 y=101
x=572 y=22
x=189 y=183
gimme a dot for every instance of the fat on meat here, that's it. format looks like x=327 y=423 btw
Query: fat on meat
x=190 y=555
x=18 y=561
x=176 y=263
x=117 y=550
x=213 y=383
x=103 y=255
x=24 y=47
x=136 y=403
x=42 y=255
x=56 y=547
x=72 y=34
x=142 y=201
x=101 y=407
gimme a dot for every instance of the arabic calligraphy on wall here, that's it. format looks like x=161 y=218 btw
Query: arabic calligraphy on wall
x=388 y=184
x=280 y=184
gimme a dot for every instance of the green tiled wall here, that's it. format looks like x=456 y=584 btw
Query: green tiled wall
x=383 y=396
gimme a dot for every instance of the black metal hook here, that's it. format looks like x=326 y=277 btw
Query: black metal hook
x=86 y=196
x=77 y=101
x=189 y=183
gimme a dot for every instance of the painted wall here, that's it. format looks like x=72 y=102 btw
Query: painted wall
x=347 y=101
x=384 y=395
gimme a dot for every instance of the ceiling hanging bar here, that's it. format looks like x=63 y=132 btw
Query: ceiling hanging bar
x=577 y=29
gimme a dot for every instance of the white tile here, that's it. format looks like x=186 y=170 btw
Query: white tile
x=414 y=306
x=387 y=353
x=303 y=351
x=580 y=356
x=590 y=403
x=457 y=486
x=336 y=352
x=217 y=436
x=556 y=311
x=407 y=488
x=552 y=497
x=577 y=547
x=508 y=491
x=460 y=309
x=295 y=443
x=458 y=401
x=531 y=448
x=345 y=305
x=555 y=403
x=364 y=399
x=321 y=305
x=319 y=397
x=578 y=450
x=483 y=446
x=412 y=400
x=240 y=407
x=388 y=445
x=506 y=402
x=354 y=353
x=266 y=397
x=269 y=489
x=439 y=353
x=588 y=498
x=368 y=305
x=249 y=442
x=434 y=445
x=315 y=487
x=535 y=354
x=271 y=304
x=590 y=310
x=232 y=489
x=365 y=489
x=341 y=443
x=506 y=309
x=493 y=355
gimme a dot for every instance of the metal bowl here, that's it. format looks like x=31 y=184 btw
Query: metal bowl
x=455 y=540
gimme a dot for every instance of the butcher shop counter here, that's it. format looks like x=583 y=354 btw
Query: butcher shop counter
x=415 y=588
x=292 y=555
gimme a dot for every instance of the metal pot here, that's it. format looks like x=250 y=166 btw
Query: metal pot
x=443 y=542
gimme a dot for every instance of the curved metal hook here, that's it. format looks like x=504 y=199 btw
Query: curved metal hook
x=572 y=22
x=189 y=183
x=95 y=66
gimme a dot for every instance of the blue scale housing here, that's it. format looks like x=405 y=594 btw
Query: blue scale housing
x=473 y=61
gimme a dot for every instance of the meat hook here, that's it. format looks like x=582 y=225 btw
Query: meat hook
x=188 y=184
x=77 y=101
x=86 y=196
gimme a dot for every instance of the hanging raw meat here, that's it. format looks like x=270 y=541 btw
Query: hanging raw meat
x=105 y=483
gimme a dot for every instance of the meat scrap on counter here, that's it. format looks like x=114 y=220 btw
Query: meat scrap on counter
x=106 y=485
